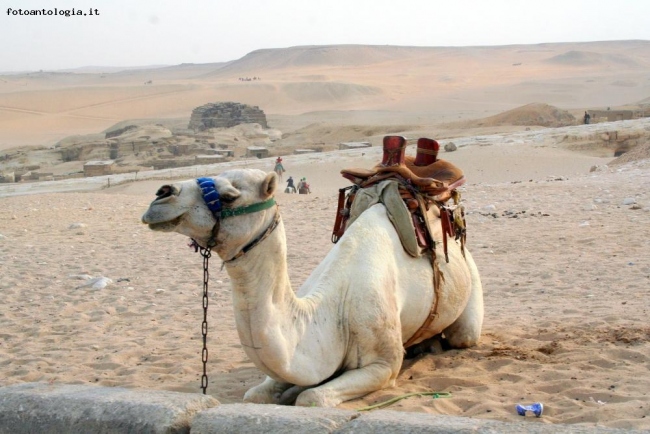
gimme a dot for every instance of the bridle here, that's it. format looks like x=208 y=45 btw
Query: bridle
x=212 y=199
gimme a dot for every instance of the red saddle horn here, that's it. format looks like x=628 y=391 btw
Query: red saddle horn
x=427 y=152
x=394 y=150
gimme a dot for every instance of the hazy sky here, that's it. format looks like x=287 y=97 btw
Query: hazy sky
x=149 y=32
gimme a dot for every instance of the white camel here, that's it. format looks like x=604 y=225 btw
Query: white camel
x=341 y=335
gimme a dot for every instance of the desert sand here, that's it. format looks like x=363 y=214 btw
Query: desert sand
x=563 y=257
x=343 y=85
x=563 y=252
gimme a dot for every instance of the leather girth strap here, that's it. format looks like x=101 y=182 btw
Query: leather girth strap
x=342 y=213
x=433 y=312
x=423 y=206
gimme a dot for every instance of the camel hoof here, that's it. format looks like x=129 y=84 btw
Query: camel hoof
x=316 y=398
x=256 y=397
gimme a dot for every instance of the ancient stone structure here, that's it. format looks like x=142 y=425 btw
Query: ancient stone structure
x=225 y=115
x=257 y=151
x=611 y=115
x=99 y=168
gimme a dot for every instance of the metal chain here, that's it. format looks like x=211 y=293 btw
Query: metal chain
x=204 y=325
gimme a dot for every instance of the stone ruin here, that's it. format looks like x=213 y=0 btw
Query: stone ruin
x=225 y=115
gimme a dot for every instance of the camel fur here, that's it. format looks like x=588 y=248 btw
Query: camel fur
x=340 y=335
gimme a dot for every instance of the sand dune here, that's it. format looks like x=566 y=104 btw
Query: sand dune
x=433 y=82
x=316 y=56
x=585 y=58
x=542 y=115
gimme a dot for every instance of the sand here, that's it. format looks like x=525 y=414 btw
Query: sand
x=563 y=251
x=432 y=84
x=563 y=256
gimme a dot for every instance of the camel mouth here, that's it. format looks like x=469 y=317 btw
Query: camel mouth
x=167 y=226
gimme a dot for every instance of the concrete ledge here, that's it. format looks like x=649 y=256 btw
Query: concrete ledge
x=271 y=419
x=44 y=408
x=394 y=422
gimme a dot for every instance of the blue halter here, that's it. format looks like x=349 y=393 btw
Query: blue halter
x=213 y=201
x=210 y=195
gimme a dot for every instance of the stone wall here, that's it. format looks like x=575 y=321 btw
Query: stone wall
x=99 y=168
x=79 y=409
x=610 y=115
x=225 y=115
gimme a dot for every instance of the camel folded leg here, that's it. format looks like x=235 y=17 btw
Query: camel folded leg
x=349 y=385
x=268 y=392
x=291 y=394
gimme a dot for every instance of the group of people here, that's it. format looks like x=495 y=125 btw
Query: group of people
x=302 y=187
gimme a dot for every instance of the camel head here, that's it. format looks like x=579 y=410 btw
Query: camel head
x=243 y=209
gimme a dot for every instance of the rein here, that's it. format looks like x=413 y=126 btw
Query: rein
x=212 y=199
x=257 y=240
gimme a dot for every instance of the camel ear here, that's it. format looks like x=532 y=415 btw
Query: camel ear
x=269 y=185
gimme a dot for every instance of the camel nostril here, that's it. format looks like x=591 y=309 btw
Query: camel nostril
x=164 y=191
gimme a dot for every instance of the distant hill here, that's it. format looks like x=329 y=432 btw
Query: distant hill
x=627 y=53
x=638 y=153
x=645 y=101
x=535 y=114
x=321 y=55
x=108 y=69
x=432 y=84
x=587 y=58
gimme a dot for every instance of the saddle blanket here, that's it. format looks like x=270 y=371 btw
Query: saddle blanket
x=387 y=193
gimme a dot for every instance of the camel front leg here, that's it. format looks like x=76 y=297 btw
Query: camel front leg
x=268 y=392
x=349 y=385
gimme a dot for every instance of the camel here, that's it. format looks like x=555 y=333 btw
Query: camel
x=279 y=169
x=303 y=187
x=341 y=335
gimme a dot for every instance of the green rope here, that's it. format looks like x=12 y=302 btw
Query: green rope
x=408 y=395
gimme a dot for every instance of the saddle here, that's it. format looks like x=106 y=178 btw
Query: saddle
x=415 y=191
x=425 y=185
x=431 y=176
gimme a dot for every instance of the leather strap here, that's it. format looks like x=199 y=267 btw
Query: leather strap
x=342 y=213
x=433 y=312
x=447 y=230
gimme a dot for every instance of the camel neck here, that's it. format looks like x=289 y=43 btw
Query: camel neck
x=262 y=297
x=269 y=230
x=260 y=277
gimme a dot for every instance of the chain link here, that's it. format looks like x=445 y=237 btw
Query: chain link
x=204 y=325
